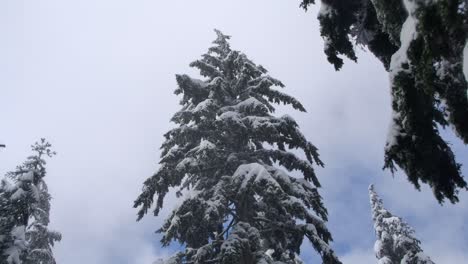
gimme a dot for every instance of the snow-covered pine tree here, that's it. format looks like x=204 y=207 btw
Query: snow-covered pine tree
x=395 y=243
x=40 y=239
x=25 y=205
x=239 y=206
x=12 y=237
x=420 y=43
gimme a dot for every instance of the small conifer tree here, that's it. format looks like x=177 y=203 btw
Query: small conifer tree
x=395 y=243
x=24 y=212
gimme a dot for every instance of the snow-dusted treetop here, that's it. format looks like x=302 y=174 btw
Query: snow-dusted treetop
x=395 y=243
x=421 y=44
x=227 y=149
x=24 y=212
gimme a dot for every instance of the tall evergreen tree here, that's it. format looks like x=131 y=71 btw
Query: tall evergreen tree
x=420 y=43
x=395 y=241
x=24 y=208
x=239 y=206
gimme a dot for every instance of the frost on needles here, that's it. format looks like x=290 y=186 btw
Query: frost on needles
x=227 y=151
x=420 y=43
x=395 y=241
x=24 y=212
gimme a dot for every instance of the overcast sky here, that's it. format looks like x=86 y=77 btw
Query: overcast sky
x=96 y=78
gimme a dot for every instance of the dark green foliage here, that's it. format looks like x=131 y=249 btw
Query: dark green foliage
x=336 y=19
x=429 y=90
